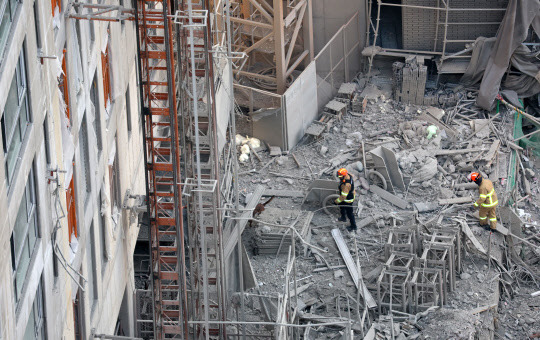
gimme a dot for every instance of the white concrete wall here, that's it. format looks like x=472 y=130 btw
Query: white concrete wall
x=114 y=275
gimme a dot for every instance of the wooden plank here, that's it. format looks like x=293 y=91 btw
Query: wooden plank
x=467 y=231
x=445 y=152
x=349 y=262
x=456 y=200
x=389 y=197
x=492 y=152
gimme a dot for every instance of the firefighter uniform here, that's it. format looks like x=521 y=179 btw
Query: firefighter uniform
x=487 y=203
x=346 y=200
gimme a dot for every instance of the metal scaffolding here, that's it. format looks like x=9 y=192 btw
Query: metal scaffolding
x=442 y=9
x=202 y=187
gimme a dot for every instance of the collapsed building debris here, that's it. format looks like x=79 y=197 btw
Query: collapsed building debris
x=419 y=266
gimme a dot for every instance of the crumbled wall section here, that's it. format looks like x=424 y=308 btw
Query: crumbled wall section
x=419 y=25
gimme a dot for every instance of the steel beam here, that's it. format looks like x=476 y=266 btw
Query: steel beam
x=279 y=47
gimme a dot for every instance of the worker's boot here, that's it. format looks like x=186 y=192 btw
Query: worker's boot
x=351 y=228
x=343 y=218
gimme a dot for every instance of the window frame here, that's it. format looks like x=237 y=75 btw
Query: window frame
x=94 y=98
x=84 y=151
x=21 y=83
x=38 y=312
x=31 y=218
x=91 y=265
x=7 y=6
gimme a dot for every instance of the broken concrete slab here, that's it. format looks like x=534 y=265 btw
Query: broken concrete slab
x=425 y=207
x=398 y=202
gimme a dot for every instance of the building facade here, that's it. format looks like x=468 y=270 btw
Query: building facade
x=72 y=157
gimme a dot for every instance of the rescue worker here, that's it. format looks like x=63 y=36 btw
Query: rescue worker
x=487 y=203
x=346 y=198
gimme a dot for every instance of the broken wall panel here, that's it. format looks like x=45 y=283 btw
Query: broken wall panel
x=300 y=107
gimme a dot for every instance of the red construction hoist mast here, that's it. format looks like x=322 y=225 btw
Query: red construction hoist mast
x=162 y=156
x=183 y=141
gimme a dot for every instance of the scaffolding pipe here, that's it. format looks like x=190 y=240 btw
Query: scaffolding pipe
x=235 y=165
x=200 y=209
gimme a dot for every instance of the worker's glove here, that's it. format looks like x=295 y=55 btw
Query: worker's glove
x=337 y=201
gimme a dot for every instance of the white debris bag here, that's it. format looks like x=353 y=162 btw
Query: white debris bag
x=245 y=149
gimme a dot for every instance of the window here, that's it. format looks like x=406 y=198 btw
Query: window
x=91 y=287
x=113 y=177
x=7 y=12
x=85 y=158
x=106 y=71
x=15 y=118
x=78 y=318
x=37 y=25
x=63 y=83
x=24 y=236
x=71 y=209
x=35 y=327
x=56 y=4
x=97 y=119
x=103 y=232
x=128 y=111
x=46 y=138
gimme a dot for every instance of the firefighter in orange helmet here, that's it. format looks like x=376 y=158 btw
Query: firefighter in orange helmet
x=487 y=203
x=346 y=198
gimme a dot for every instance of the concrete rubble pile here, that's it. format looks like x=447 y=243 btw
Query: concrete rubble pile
x=417 y=268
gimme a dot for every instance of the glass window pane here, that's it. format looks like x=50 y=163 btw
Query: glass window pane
x=20 y=227
x=23 y=118
x=13 y=153
x=5 y=26
x=32 y=230
x=14 y=4
x=22 y=268
x=30 y=327
x=11 y=108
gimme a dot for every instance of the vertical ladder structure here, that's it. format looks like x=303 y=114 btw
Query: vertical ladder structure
x=201 y=188
x=162 y=159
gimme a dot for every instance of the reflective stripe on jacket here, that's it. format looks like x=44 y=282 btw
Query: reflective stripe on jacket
x=346 y=190
x=488 y=197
